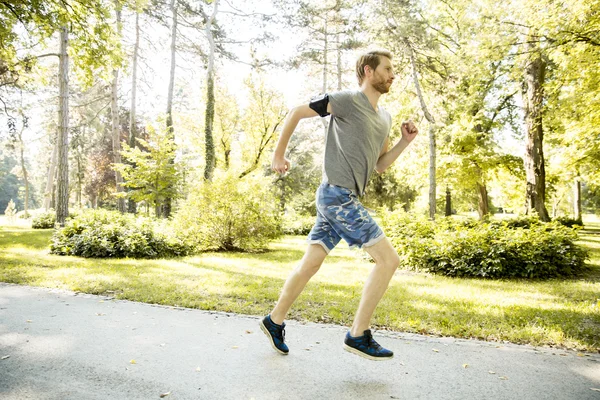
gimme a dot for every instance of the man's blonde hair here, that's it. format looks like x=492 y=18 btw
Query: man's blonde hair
x=370 y=58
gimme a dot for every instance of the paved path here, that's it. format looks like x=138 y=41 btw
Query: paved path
x=63 y=345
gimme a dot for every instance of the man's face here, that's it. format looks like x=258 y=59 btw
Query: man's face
x=383 y=76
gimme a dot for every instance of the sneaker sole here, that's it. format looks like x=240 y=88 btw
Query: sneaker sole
x=266 y=332
x=364 y=355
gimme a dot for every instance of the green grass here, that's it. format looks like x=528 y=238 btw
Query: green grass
x=564 y=313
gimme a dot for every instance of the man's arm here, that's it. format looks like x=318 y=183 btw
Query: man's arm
x=387 y=157
x=281 y=164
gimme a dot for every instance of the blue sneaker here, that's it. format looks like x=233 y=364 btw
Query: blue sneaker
x=365 y=346
x=275 y=333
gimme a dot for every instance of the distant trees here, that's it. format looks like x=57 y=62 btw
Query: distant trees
x=478 y=78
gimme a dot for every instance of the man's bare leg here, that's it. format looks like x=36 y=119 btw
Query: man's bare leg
x=386 y=262
x=297 y=280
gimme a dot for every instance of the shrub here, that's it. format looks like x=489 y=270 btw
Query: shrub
x=569 y=222
x=45 y=220
x=102 y=234
x=297 y=224
x=230 y=214
x=505 y=249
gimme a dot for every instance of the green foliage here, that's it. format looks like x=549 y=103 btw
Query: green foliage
x=94 y=45
x=150 y=175
x=521 y=248
x=102 y=234
x=229 y=214
x=569 y=222
x=46 y=220
x=297 y=224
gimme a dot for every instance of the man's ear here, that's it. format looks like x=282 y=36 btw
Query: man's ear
x=368 y=69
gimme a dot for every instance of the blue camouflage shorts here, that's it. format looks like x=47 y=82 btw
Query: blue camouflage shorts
x=340 y=215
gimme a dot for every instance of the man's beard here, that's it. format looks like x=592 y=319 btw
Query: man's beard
x=381 y=86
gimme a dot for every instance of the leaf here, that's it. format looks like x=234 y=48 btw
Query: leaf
x=235 y=347
x=595 y=390
x=5 y=357
x=100 y=314
x=249 y=332
x=198 y=369
x=580 y=355
x=29 y=321
x=165 y=395
x=491 y=372
x=465 y=366
x=436 y=350
x=132 y=362
x=504 y=378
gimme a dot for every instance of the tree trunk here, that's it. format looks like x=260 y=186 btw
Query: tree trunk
x=62 y=195
x=431 y=120
x=448 y=210
x=79 y=183
x=325 y=59
x=23 y=168
x=49 y=192
x=131 y=205
x=483 y=208
x=25 y=178
x=116 y=134
x=339 y=62
x=534 y=155
x=325 y=56
x=577 y=199
x=482 y=194
x=210 y=101
x=170 y=130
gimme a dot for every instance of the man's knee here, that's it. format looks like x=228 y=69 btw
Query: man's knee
x=312 y=260
x=393 y=261
x=385 y=255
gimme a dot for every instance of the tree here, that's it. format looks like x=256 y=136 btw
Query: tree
x=62 y=189
x=260 y=122
x=331 y=29
x=535 y=72
x=131 y=205
x=210 y=96
x=91 y=46
x=17 y=144
x=169 y=120
x=150 y=174
x=227 y=123
x=571 y=117
x=404 y=31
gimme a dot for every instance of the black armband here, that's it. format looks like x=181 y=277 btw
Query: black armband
x=319 y=104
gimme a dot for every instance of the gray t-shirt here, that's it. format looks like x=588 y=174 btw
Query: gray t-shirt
x=354 y=140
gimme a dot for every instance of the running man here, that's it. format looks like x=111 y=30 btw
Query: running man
x=357 y=143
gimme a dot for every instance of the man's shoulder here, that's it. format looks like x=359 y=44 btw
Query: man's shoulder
x=345 y=93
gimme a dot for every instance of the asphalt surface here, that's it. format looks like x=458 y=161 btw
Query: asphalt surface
x=64 y=345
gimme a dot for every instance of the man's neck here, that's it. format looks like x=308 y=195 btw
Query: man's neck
x=372 y=94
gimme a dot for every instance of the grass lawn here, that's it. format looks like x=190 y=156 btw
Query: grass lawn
x=564 y=313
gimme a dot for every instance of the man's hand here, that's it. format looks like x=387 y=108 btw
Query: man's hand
x=281 y=165
x=409 y=131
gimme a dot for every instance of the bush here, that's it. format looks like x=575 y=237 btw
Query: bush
x=230 y=214
x=505 y=249
x=569 y=222
x=45 y=220
x=297 y=224
x=102 y=234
